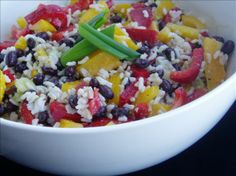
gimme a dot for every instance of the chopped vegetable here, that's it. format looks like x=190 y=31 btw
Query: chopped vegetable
x=43 y=26
x=21 y=43
x=69 y=85
x=25 y=113
x=127 y=94
x=160 y=108
x=121 y=8
x=24 y=84
x=163 y=8
x=116 y=81
x=149 y=94
x=2 y=85
x=165 y=35
x=22 y=23
x=180 y=97
x=192 y=21
x=69 y=124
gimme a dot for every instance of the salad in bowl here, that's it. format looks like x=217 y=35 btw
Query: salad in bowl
x=98 y=63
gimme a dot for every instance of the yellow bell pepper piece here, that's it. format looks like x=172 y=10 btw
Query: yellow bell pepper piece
x=22 y=23
x=91 y=13
x=34 y=73
x=73 y=2
x=154 y=26
x=164 y=7
x=121 y=37
x=41 y=52
x=43 y=26
x=156 y=108
x=192 y=21
x=184 y=31
x=121 y=8
x=110 y=123
x=116 y=81
x=69 y=124
x=214 y=70
x=149 y=94
x=69 y=85
x=2 y=85
x=164 y=35
x=21 y=43
x=99 y=60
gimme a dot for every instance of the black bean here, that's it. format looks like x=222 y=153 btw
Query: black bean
x=59 y=66
x=141 y=63
x=11 y=59
x=76 y=37
x=106 y=91
x=101 y=112
x=55 y=81
x=153 y=5
x=161 y=25
x=228 y=47
x=169 y=52
x=67 y=42
x=70 y=79
x=2 y=110
x=43 y=35
x=49 y=71
x=219 y=38
x=73 y=101
x=1 y=57
x=70 y=71
x=128 y=83
x=94 y=82
x=31 y=43
x=116 y=19
x=118 y=112
x=143 y=49
x=160 y=73
x=166 y=86
x=10 y=107
x=20 y=52
x=43 y=117
x=196 y=45
x=39 y=79
x=177 y=67
x=20 y=67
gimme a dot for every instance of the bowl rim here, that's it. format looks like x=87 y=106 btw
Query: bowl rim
x=229 y=81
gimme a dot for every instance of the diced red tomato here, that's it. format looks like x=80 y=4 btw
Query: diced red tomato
x=99 y=122
x=141 y=111
x=95 y=103
x=60 y=34
x=195 y=95
x=52 y=13
x=80 y=5
x=205 y=34
x=58 y=112
x=137 y=15
x=191 y=73
x=139 y=72
x=10 y=75
x=180 y=97
x=138 y=35
x=25 y=113
x=16 y=32
x=6 y=44
x=128 y=93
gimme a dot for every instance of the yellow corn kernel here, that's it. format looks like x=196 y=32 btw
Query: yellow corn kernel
x=160 y=107
x=22 y=23
x=184 y=31
x=69 y=85
x=121 y=8
x=34 y=73
x=214 y=71
x=21 y=43
x=41 y=52
x=149 y=94
x=164 y=35
x=164 y=7
x=69 y=124
x=116 y=81
x=2 y=85
x=43 y=26
x=192 y=21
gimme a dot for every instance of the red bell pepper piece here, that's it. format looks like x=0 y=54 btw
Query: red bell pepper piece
x=10 y=75
x=60 y=34
x=25 y=113
x=141 y=111
x=138 y=15
x=128 y=93
x=180 y=97
x=58 y=112
x=52 y=13
x=6 y=44
x=190 y=74
x=95 y=103
x=143 y=35
x=195 y=95
x=139 y=72
x=99 y=122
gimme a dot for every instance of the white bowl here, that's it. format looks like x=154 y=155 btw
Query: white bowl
x=127 y=147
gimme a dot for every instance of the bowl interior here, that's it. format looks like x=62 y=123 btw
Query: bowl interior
x=220 y=21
